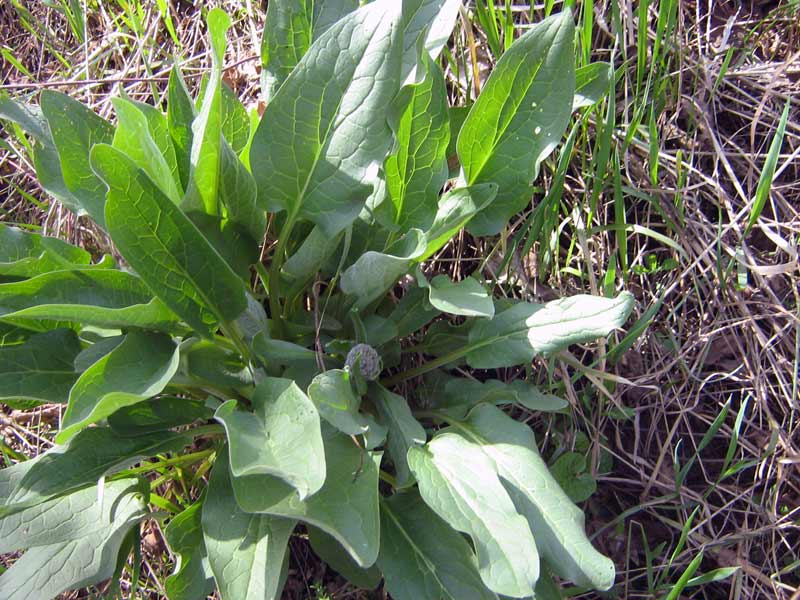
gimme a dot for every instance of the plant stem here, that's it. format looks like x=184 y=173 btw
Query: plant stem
x=428 y=366
x=275 y=273
x=390 y=479
x=167 y=462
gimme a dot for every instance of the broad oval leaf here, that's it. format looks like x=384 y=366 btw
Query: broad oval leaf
x=526 y=329
x=75 y=130
x=422 y=557
x=281 y=438
x=519 y=118
x=102 y=297
x=466 y=298
x=74 y=530
x=316 y=151
x=165 y=248
x=247 y=552
x=39 y=370
x=346 y=507
x=556 y=522
x=138 y=368
x=332 y=393
x=459 y=482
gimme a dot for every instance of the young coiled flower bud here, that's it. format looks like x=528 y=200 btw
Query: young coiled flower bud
x=369 y=361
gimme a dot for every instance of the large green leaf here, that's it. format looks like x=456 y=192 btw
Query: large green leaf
x=72 y=541
x=404 y=430
x=246 y=552
x=519 y=118
x=157 y=414
x=207 y=139
x=216 y=364
x=238 y=194
x=287 y=36
x=456 y=396
x=39 y=370
x=332 y=393
x=327 y=12
x=316 y=151
x=591 y=84
x=192 y=578
x=346 y=507
x=373 y=273
x=456 y=208
x=466 y=298
x=101 y=297
x=458 y=481
x=142 y=133
x=422 y=557
x=521 y=332
x=165 y=248
x=87 y=457
x=140 y=367
x=75 y=130
x=180 y=116
x=281 y=438
x=24 y=254
x=433 y=19
x=417 y=168
x=557 y=524
x=45 y=155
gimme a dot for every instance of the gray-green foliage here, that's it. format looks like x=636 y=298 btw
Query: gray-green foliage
x=277 y=375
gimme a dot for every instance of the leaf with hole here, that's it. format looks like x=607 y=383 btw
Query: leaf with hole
x=519 y=118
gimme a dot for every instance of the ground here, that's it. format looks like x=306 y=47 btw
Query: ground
x=690 y=423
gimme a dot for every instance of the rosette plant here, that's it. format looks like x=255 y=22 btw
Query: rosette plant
x=236 y=374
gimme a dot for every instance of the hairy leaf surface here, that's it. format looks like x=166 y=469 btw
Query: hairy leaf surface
x=247 y=552
x=75 y=129
x=100 y=297
x=460 y=484
x=76 y=530
x=521 y=332
x=346 y=507
x=316 y=152
x=557 y=524
x=417 y=168
x=165 y=248
x=422 y=557
x=281 y=438
x=39 y=370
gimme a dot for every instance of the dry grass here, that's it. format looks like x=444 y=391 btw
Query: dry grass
x=701 y=415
